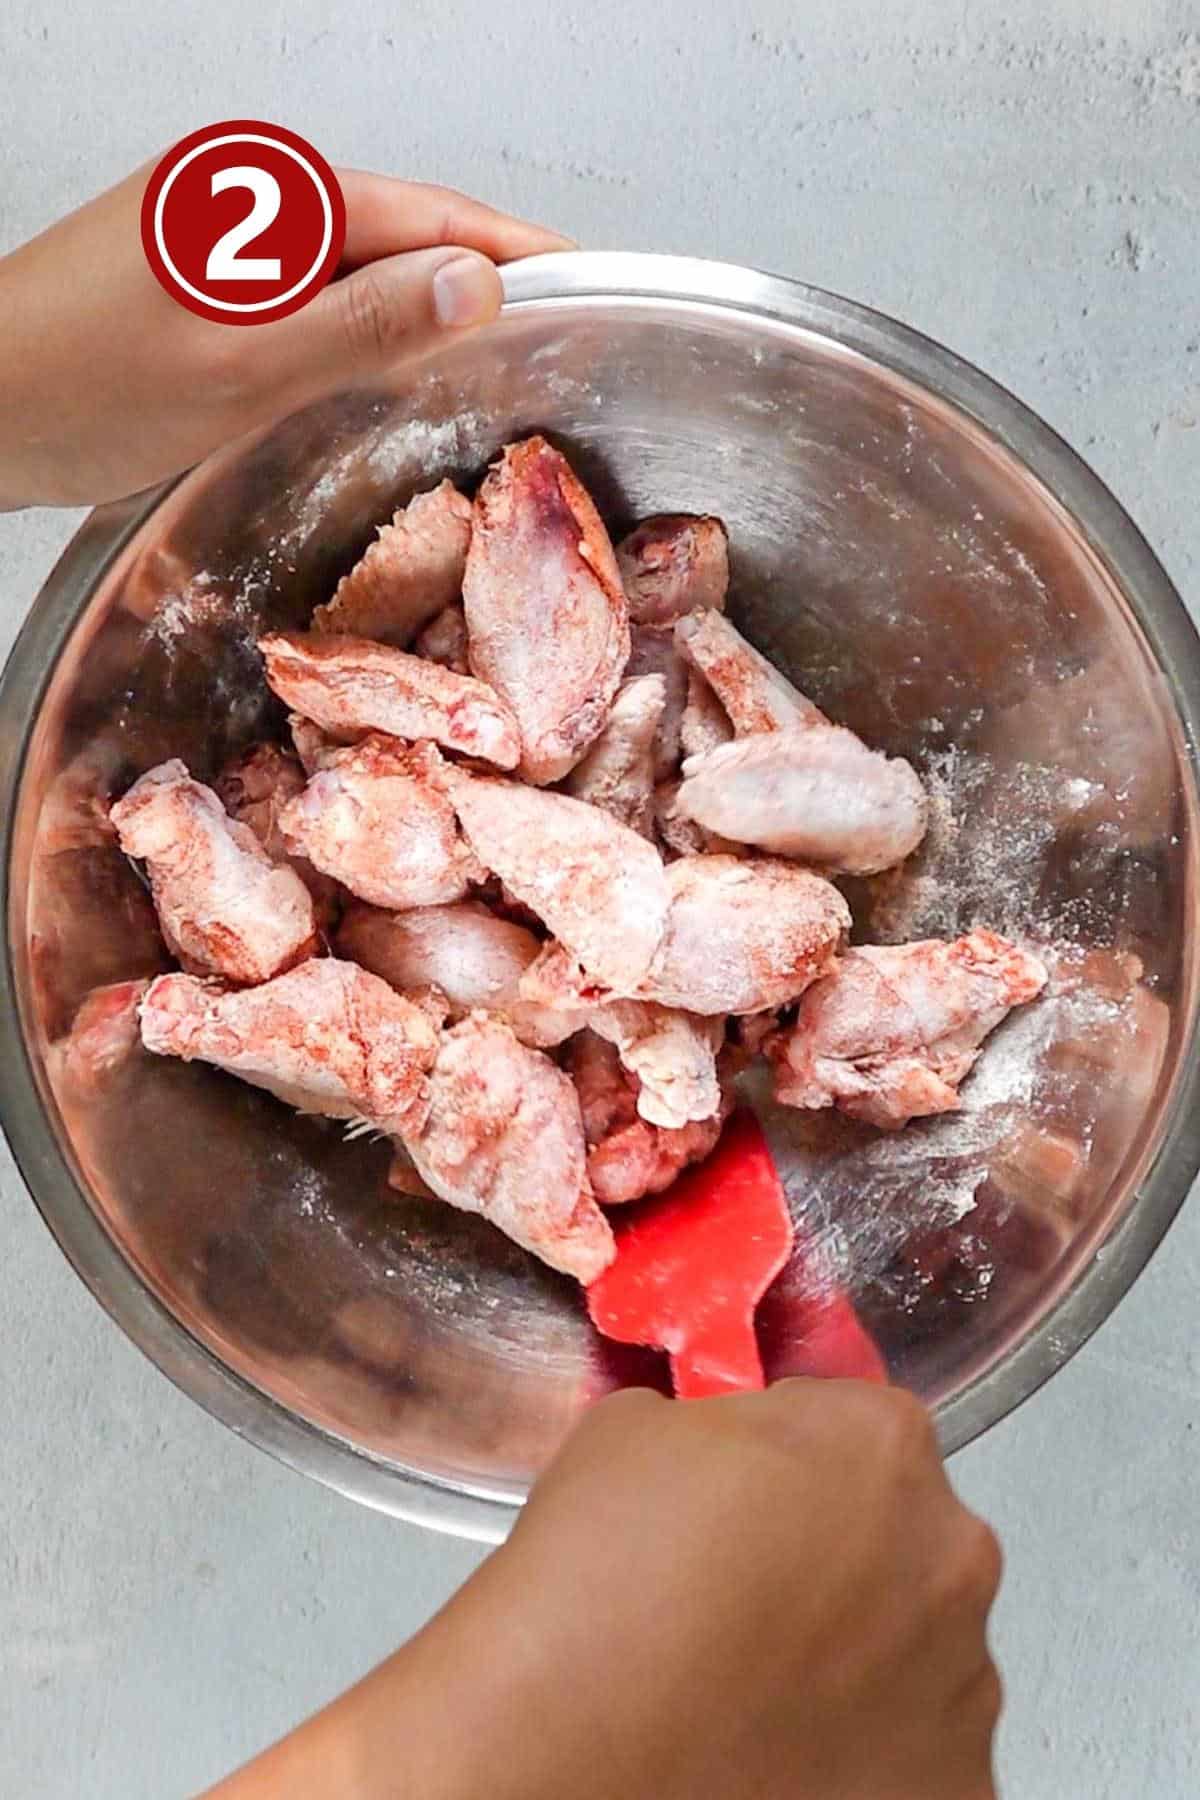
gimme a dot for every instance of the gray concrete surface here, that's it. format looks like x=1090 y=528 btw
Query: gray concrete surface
x=1019 y=180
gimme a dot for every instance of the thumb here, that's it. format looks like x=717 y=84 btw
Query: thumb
x=363 y=324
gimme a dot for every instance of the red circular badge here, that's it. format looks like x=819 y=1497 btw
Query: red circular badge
x=243 y=222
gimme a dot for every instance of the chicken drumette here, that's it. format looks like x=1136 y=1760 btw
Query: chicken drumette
x=671 y=1055
x=618 y=771
x=890 y=1034
x=504 y=1138
x=326 y=1038
x=374 y=817
x=546 y=614
x=752 y=691
x=595 y=884
x=255 y=788
x=224 y=907
x=743 y=936
x=475 y=959
x=627 y=1155
x=671 y=565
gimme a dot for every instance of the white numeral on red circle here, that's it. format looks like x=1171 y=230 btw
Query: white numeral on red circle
x=224 y=263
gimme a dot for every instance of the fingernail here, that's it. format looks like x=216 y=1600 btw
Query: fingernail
x=464 y=292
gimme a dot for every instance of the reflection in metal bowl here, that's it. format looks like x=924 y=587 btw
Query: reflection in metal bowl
x=925 y=560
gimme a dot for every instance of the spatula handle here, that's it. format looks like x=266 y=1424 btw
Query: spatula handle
x=723 y=1359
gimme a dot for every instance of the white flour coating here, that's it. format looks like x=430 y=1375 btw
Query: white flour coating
x=413 y=451
x=311 y=1199
x=208 y=601
x=201 y=602
x=989 y=836
x=861 y=1194
x=419 y=450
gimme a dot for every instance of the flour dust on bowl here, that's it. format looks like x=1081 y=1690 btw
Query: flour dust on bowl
x=927 y=562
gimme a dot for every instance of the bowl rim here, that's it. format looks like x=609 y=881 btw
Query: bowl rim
x=615 y=276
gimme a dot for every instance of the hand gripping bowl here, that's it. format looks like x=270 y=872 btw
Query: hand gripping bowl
x=923 y=557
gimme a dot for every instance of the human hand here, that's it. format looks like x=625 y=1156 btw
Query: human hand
x=110 y=385
x=762 y=1597
x=768 y=1595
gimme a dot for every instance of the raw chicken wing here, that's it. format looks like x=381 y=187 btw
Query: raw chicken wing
x=617 y=773
x=310 y=743
x=225 y=908
x=349 y=686
x=255 y=787
x=413 y=570
x=444 y=640
x=680 y=836
x=813 y=792
x=327 y=1038
x=744 y=936
x=628 y=1156
x=473 y=958
x=595 y=884
x=653 y=652
x=375 y=818
x=889 y=1035
x=672 y=564
x=103 y=1036
x=672 y=1055
x=504 y=1138
x=705 y=724
x=546 y=612
x=753 y=692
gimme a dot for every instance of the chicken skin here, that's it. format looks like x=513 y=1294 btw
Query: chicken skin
x=104 y=1035
x=224 y=907
x=653 y=652
x=752 y=691
x=504 y=1138
x=546 y=612
x=743 y=936
x=672 y=564
x=349 y=686
x=326 y=1038
x=627 y=1155
x=374 y=817
x=255 y=788
x=312 y=747
x=617 y=773
x=597 y=886
x=472 y=957
x=579 y=838
x=413 y=570
x=444 y=640
x=891 y=1032
x=812 y=792
x=704 y=725
x=671 y=1055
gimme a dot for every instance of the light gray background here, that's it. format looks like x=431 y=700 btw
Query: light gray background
x=1020 y=181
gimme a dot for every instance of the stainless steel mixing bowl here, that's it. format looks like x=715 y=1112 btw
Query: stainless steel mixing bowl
x=921 y=555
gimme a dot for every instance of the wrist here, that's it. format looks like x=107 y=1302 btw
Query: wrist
x=429 y=1721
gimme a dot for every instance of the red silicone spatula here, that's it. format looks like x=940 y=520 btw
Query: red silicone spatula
x=691 y=1268
x=810 y=1328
